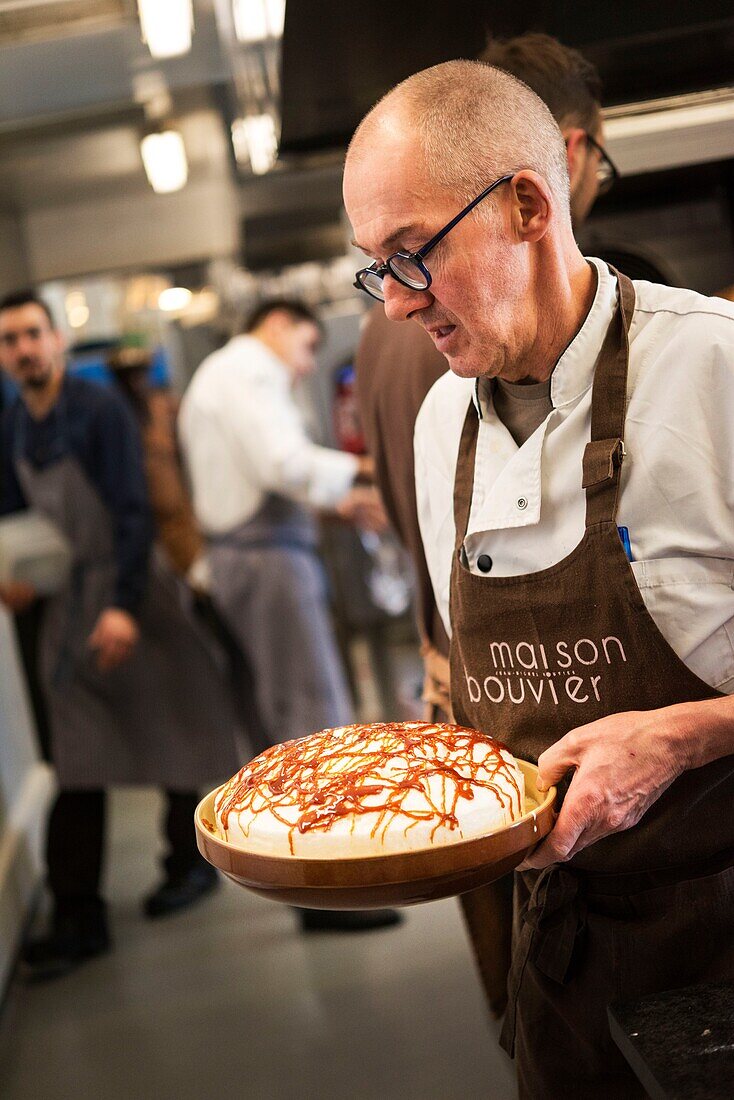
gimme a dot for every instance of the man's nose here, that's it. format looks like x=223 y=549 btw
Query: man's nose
x=25 y=346
x=401 y=301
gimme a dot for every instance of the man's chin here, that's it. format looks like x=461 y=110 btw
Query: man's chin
x=462 y=367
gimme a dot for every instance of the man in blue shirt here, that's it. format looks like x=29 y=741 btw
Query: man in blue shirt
x=132 y=690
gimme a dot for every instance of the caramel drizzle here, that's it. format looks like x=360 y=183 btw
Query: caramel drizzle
x=338 y=773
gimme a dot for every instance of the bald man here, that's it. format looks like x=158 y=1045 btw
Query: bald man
x=397 y=365
x=582 y=565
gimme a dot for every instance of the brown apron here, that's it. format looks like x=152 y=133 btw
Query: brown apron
x=533 y=657
x=163 y=717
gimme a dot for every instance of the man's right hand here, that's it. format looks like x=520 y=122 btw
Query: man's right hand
x=363 y=507
x=365 y=470
x=17 y=595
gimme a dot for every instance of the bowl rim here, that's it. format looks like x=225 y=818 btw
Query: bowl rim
x=541 y=813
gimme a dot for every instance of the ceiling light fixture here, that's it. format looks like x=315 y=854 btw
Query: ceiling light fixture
x=256 y=20
x=255 y=139
x=174 y=299
x=164 y=160
x=166 y=26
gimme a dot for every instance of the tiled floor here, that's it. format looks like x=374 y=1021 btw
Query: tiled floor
x=232 y=1001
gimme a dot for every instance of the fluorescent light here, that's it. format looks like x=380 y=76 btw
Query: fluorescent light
x=669 y=133
x=166 y=26
x=255 y=139
x=174 y=299
x=276 y=17
x=256 y=20
x=164 y=160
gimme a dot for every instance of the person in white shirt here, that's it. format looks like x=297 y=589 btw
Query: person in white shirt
x=256 y=476
x=256 y=479
x=581 y=550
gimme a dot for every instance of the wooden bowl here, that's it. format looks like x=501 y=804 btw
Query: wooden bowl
x=372 y=882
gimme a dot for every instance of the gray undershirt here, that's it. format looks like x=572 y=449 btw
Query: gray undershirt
x=521 y=408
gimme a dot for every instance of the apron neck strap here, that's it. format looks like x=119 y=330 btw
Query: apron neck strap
x=464 y=477
x=604 y=453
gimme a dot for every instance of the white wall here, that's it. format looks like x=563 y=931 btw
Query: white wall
x=25 y=790
x=14 y=272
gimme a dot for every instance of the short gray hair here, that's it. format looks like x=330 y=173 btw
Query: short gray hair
x=475 y=123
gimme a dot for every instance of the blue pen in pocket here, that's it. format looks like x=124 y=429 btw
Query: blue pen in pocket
x=625 y=537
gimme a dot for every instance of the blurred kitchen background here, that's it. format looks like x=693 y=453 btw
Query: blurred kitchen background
x=165 y=164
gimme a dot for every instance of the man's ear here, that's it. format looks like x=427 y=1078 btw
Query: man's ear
x=533 y=205
x=576 y=151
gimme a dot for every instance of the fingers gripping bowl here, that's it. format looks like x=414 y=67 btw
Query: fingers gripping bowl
x=371 y=815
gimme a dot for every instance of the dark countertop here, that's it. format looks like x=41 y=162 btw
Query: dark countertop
x=680 y=1043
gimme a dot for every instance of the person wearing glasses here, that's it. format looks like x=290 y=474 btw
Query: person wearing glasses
x=396 y=366
x=585 y=574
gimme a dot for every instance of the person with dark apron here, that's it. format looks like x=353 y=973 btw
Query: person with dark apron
x=555 y=649
x=153 y=712
x=396 y=366
x=639 y=911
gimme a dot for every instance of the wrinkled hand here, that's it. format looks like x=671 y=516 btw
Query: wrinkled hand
x=114 y=638
x=622 y=763
x=17 y=595
x=363 y=507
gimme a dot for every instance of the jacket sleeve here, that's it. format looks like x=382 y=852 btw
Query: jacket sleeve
x=278 y=452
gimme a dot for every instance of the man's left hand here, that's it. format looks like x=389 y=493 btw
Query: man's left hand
x=622 y=763
x=114 y=638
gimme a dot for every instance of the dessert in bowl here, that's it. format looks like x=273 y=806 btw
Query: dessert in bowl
x=371 y=790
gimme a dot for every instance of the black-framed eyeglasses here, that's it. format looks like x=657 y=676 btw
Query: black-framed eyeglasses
x=408 y=268
x=607 y=172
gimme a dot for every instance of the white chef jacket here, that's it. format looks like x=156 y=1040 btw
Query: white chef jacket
x=677 y=481
x=244 y=436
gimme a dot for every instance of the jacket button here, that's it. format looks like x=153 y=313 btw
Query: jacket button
x=484 y=563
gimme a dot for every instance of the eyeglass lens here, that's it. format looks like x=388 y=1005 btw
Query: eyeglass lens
x=372 y=283
x=407 y=272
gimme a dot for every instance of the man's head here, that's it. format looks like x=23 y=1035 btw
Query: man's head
x=570 y=86
x=290 y=330
x=31 y=347
x=429 y=147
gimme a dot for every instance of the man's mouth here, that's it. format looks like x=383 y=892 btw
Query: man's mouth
x=440 y=334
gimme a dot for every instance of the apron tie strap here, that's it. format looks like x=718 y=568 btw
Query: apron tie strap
x=552 y=929
x=556 y=919
x=601 y=458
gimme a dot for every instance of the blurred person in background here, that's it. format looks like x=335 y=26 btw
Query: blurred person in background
x=397 y=365
x=257 y=480
x=132 y=690
x=177 y=532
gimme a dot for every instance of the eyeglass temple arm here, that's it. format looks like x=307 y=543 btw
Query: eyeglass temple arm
x=462 y=214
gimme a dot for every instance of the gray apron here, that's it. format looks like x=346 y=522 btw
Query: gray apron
x=269 y=586
x=163 y=716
